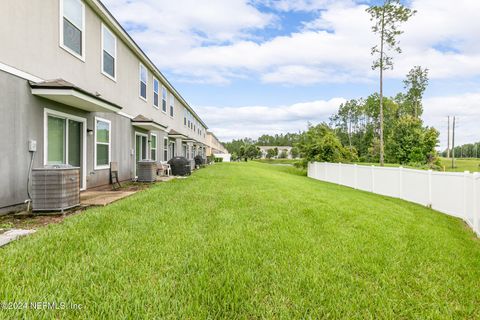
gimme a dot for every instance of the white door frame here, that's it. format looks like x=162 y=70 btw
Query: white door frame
x=135 y=155
x=66 y=116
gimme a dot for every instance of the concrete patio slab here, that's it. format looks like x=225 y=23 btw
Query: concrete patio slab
x=102 y=198
x=13 y=235
x=165 y=178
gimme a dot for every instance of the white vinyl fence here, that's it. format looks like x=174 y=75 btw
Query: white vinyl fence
x=456 y=194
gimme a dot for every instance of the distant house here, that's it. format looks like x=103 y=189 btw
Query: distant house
x=214 y=146
x=286 y=149
x=77 y=90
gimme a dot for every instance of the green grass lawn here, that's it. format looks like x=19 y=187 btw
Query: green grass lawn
x=248 y=241
x=278 y=161
x=461 y=165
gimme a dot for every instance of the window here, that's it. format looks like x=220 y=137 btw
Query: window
x=164 y=99
x=56 y=140
x=156 y=88
x=165 y=149
x=72 y=29
x=109 y=53
x=172 y=104
x=153 y=147
x=143 y=82
x=102 y=143
x=185 y=121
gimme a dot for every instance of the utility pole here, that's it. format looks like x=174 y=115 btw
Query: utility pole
x=448 y=138
x=453 y=144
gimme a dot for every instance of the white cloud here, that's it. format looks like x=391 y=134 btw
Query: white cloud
x=467 y=109
x=216 y=42
x=253 y=121
x=299 y=5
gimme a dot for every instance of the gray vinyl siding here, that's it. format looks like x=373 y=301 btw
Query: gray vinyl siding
x=23 y=119
x=30 y=42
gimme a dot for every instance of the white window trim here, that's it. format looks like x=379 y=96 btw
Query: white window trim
x=165 y=158
x=104 y=27
x=166 y=100
x=140 y=80
x=158 y=93
x=61 y=44
x=107 y=166
x=171 y=104
x=54 y=113
x=156 y=148
x=135 y=150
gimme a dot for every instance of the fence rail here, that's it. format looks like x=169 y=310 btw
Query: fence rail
x=452 y=193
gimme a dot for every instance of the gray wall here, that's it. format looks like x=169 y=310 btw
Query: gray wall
x=23 y=119
x=29 y=37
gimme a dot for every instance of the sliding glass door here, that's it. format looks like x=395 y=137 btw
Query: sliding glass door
x=141 y=148
x=65 y=141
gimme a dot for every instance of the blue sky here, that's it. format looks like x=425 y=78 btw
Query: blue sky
x=270 y=66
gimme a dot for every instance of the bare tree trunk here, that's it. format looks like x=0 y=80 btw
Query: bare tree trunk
x=350 y=130
x=382 y=157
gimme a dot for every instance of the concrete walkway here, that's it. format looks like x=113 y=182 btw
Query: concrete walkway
x=12 y=235
x=102 y=198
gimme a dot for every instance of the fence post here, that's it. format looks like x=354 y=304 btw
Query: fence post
x=400 y=183
x=355 y=176
x=465 y=206
x=373 y=179
x=430 y=204
x=475 y=204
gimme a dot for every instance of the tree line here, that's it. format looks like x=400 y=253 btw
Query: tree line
x=353 y=132
x=469 y=150
x=374 y=128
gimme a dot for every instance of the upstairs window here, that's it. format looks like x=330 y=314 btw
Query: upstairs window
x=143 y=82
x=72 y=28
x=109 y=53
x=156 y=93
x=172 y=105
x=164 y=99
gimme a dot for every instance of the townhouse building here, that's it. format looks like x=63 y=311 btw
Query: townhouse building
x=75 y=89
x=214 y=146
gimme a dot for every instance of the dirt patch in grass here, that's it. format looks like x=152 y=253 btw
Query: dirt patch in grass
x=30 y=221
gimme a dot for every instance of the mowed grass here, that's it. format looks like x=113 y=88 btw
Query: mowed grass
x=279 y=161
x=461 y=165
x=248 y=241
